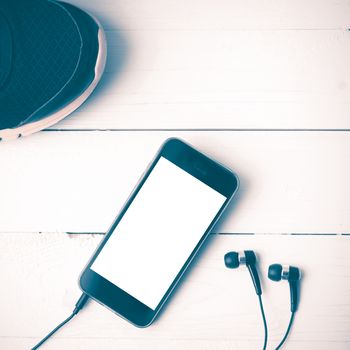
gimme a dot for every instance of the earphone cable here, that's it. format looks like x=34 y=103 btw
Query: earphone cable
x=287 y=331
x=78 y=306
x=264 y=320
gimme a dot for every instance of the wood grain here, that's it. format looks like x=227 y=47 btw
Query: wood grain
x=220 y=14
x=221 y=79
x=224 y=64
x=219 y=74
x=214 y=308
x=78 y=181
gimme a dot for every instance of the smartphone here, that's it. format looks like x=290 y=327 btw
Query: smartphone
x=157 y=233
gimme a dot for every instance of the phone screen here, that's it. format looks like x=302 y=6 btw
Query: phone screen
x=158 y=233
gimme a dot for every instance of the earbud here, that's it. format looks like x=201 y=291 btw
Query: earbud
x=234 y=259
x=290 y=273
x=276 y=272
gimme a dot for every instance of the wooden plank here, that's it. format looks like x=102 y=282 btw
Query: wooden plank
x=219 y=15
x=213 y=308
x=77 y=181
x=221 y=79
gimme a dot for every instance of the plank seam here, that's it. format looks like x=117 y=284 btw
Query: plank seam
x=196 y=129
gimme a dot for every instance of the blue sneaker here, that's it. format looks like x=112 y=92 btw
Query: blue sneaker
x=52 y=55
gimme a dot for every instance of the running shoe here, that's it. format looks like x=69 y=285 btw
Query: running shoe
x=52 y=55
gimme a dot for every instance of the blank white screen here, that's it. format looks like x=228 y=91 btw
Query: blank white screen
x=158 y=233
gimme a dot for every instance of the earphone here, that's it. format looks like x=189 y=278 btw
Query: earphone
x=248 y=257
x=276 y=272
x=234 y=259
x=292 y=274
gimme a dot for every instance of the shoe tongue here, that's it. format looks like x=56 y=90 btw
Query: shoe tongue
x=5 y=50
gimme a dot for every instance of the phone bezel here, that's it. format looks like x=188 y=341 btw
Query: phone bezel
x=198 y=165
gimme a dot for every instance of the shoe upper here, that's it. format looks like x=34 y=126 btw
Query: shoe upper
x=48 y=54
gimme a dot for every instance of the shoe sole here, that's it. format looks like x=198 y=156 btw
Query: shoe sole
x=30 y=128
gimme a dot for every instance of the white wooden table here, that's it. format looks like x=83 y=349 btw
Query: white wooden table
x=264 y=87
